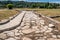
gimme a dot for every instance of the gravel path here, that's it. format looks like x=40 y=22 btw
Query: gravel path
x=32 y=27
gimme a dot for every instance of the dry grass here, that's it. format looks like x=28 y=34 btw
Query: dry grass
x=5 y=13
x=47 y=12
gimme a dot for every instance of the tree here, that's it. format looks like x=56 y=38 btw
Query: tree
x=50 y=7
x=10 y=6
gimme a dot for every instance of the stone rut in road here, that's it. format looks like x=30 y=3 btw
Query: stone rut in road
x=32 y=27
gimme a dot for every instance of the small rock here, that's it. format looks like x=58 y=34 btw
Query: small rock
x=45 y=33
x=42 y=22
x=54 y=36
x=45 y=27
x=56 y=30
x=57 y=39
x=51 y=25
x=18 y=38
x=33 y=21
x=20 y=31
x=10 y=39
x=44 y=37
x=3 y=36
x=35 y=27
x=37 y=31
x=17 y=34
x=18 y=28
x=49 y=30
x=50 y=39
x=9 y=33
x=41 y=39
x=15 y=30
x=26 y=38
x=25 y=27
x=38 y=35
x=58 y=36
x=42 y=30
x=27 y=31
x=36 y=38
x=51 y=33
x=27 y=24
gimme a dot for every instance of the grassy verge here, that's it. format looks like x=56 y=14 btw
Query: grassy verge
x=5 y=13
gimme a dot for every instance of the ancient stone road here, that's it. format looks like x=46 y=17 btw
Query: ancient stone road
x=32 y=27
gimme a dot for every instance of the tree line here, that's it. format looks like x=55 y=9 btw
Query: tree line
x=23 y=4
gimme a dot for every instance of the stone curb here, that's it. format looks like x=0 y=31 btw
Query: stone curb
x=8 y=20
x=13 y=27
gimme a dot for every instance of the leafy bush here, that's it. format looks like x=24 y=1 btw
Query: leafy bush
x=10 y=6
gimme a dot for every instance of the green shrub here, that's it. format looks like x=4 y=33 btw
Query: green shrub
x=10 y=6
